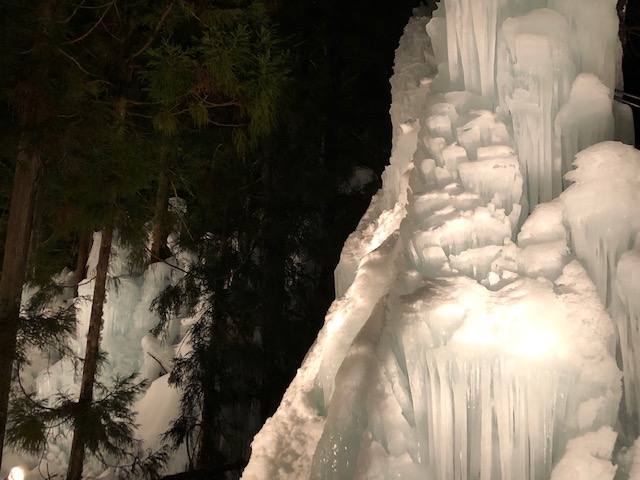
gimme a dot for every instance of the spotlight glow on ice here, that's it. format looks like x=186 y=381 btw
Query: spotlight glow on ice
x=16 y=473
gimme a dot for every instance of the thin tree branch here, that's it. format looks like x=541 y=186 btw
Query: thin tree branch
x=141 y=115
x=231 y=103
x=73 y=14
x=82 y=6
x=159 y=362
x=74 y=61
x=232 y=125
x=215 y=472
x=95 y=25
x=155 y=257
x=156 y=29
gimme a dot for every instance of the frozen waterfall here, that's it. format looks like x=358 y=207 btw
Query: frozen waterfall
x=487 y=306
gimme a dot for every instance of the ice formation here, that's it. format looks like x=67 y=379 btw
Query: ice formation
x=129 y=347
x=487 y=291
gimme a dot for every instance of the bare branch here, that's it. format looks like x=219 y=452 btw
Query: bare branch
x=74 y=61
x=231 y=125
x=140 y=115
x=205 y=102
x=82 y=6
x=73 y=14
x=156 y=29
x=159 y=362
x=95 y=25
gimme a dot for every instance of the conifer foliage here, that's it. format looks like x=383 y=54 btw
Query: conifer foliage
x=34 y=86
x=147 y=95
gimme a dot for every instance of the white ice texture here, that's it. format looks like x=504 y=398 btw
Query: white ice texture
x=485 y=295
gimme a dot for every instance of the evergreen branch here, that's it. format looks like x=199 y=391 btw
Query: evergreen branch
x=95 y=25
x=179 y=112
x=106 y=29
x=117 y=11
x=97 y=7
x=148 y=467
x=137 y=102
x=180 y=215
x=156 y=29
x=140 y=115
x=226 y=276
x=42 y=457
x=218 y=105
x=29 y=397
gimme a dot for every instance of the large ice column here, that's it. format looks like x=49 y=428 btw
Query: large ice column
x=598 y=50
x=555 y=111
x=465 y=33
x=469 y=339
x=489 y=381
x=535 y=72
x=626 y=312
x=586 y=119
x=601 y=209
x=601 y=212
x=594 y=26
x=531 y=56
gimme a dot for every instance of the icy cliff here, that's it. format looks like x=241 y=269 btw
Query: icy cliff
x=485 y=295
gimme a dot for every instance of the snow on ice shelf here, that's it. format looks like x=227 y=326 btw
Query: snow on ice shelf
x=478 y=341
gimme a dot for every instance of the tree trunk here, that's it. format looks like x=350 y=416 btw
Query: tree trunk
x=34 y=243
x=84 y=247
x=14 y=267
x=208 y=454
x=159 y=234
x=207 y=443
x=89 y=371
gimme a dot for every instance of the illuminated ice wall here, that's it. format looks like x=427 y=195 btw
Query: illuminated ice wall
x=480 y=299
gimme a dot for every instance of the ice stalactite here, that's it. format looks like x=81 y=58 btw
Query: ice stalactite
x=535 y=73
x=601 y=212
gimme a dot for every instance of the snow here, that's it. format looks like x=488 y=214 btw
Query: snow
x=588 y=457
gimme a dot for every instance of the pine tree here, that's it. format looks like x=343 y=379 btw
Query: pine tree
x=241 y=78
x=90 y=366
x=32 y=72
x=178 y=71
x=94 y=142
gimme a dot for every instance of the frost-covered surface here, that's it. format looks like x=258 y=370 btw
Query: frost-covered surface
x=472 y=334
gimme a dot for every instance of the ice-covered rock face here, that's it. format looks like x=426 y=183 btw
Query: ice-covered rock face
x=472 y=334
